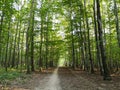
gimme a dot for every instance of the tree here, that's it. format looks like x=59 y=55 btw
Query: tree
x=117 y=22
x=98 y=55
x=103 y=55
x=89 y=45
x=29 y=39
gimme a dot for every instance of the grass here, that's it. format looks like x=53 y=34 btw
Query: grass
x=6 y=77
x=9 y=75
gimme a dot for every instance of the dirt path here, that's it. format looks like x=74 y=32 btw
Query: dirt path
x=51 y=82
x=66 y=79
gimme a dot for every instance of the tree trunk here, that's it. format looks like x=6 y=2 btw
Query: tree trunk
x=85 y=47
x=110 y=45
x=14 y=48
x=89 y=45
x=18 y=50
x=98 y=54
x=103 y=55
x=81 y=40
x=29 y=40
x=46 y=42
x=117 y=22
x=1 y=28
x=6 y=55
x=21 y=51
x=41 y=43
x=27 y=51
x=32 y=38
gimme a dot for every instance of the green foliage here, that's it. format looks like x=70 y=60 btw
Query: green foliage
x=10 y=75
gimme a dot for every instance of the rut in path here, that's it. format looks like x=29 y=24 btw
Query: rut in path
x=64 y=79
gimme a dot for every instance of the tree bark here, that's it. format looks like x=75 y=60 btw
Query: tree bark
x=98 y=54
x=29 y=39
x=6 y=53
x=14 y=48
x=117 y=22
x=1 y=28
x=88 y=37
x=102 y=48
x=32 y=39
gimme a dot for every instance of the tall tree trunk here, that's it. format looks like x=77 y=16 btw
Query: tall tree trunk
x=85 y=47
x=14 y=48
x=117 y=25
x=72 y=37
x=46 y=42
x=89 y=45
x=81 y=40
x=110 y=44
x=18 y=47
x=46 y=50
x=10 y=50
x=98 y=54
x=29 y=39
x=27 y=51
x=41 y=43
x=117 y=22
x=32 y=40
x=73 y=50
x=22 y=50
x=6 y=55
x=1 y=28
x=102 y=48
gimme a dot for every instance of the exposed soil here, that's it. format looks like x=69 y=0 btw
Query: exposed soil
x=63 y=79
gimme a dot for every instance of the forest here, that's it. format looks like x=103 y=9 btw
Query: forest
x=80 y=35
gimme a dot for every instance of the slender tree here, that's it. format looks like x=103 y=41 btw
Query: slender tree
x=89 y=45
x=29 y=38
x=117 y=22
x=102 y=48
x=98 y=55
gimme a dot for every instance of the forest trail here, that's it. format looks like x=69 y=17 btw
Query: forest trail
x=64 y=78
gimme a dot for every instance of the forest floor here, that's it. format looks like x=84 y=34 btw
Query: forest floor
x=63 y=79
